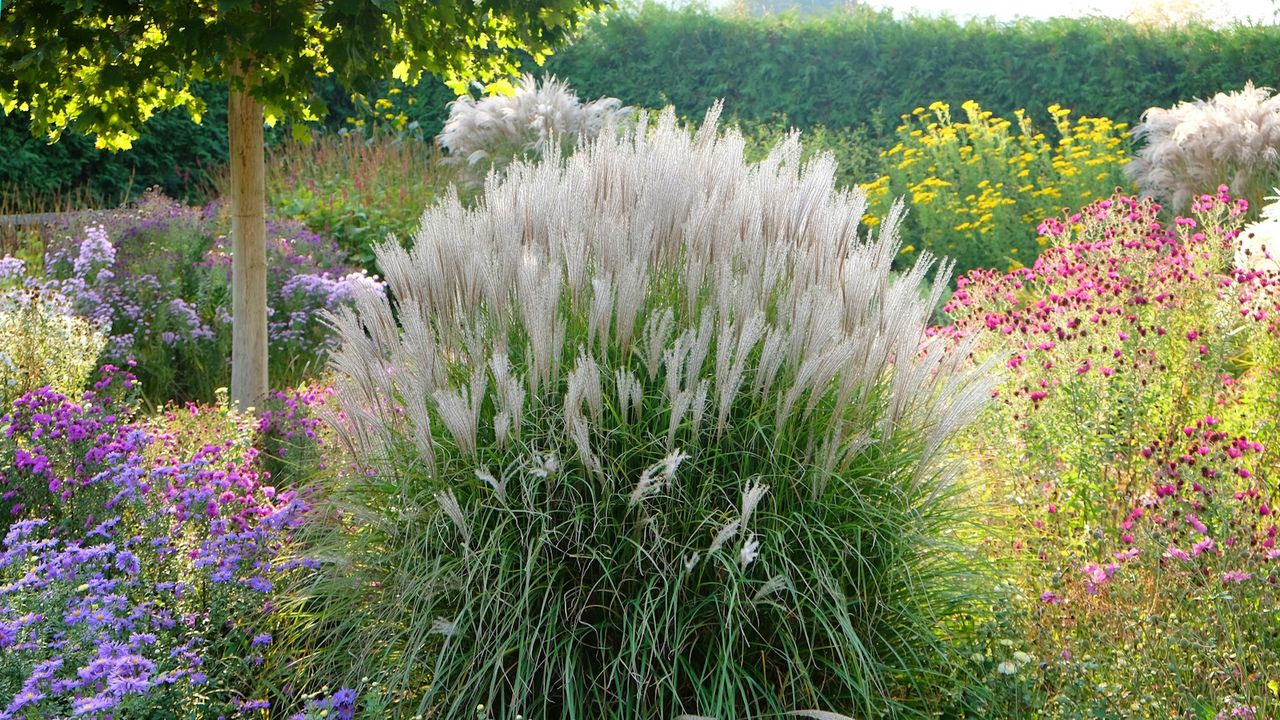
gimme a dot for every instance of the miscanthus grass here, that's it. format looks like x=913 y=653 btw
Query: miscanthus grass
x=535 y=117
x=1193 y=147
x=649 y=432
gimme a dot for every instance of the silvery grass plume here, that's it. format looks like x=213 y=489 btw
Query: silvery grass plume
x=1193 y=147
x=720 y=429
x=1258 y=245
x=536 y=116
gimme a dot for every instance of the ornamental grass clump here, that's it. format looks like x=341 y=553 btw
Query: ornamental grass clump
x=651 y=431
x=1191 y=148
x=536 y=117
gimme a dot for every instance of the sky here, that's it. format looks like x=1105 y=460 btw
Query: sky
x=1223 y=11
x=1244 y=10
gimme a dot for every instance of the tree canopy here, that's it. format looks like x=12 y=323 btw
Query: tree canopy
x=103 y=67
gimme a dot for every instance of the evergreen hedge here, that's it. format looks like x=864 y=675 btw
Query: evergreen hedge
x=862 y=68
x=868 y=67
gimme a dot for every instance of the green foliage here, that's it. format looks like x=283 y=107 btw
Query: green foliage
x=355 y=188
x=840 y=70
x=856 y=153
x=867 y=67
x=173 y=154
x=103 y=70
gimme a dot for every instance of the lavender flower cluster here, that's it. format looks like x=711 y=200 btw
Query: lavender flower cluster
x=139 y=559
x=155 y=278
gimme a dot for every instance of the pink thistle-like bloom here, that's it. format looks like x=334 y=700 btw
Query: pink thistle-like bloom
x=1201 y=546
x=1235 y=576
x=1194 y=522
x=1126 y=555
x=1095 y=574
x=1177 y=554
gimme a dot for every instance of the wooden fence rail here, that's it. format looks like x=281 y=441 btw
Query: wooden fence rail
x=15 y=230
x=29 y=219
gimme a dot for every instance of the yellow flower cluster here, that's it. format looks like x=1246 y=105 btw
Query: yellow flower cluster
x=978 y=187
x=383 y=109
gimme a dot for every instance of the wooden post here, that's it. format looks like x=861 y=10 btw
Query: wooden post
x=248 y=251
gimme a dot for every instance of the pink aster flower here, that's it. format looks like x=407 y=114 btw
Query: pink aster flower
x=1194 y=522
x=1203 y=545
x=1235 y=576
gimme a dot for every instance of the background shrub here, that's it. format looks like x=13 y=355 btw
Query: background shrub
x=354 y=187
x=856 y=152
x=679 y=452
x=866 y=67
x=839 y=70
x=173 y=154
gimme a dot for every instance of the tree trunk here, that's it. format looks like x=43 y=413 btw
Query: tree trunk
x=248 y=251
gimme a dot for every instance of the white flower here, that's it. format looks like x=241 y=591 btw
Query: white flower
x=1021 y=657
x=449 y=504
x=1008 y=667
x=750 y=498
x=656 y=476
x=499 y=486
x=726 y=533
x=750 y=551
x=544 y=466
x=442 y=626
x=1258 y=246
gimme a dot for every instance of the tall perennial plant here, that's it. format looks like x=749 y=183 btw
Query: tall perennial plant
x=652 y=431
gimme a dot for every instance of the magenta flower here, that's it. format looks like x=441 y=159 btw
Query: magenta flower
x=1203 y=545
x=1235 y=577
x=1194 y=522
